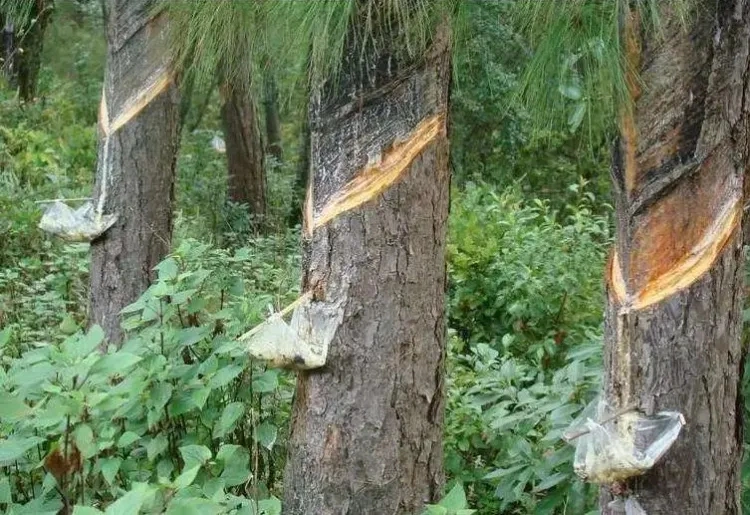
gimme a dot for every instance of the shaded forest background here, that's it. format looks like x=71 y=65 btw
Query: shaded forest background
x=530 y=224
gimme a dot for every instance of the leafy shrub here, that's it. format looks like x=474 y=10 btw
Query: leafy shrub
x=524 y=279
x=525 y=305
x=179 y=418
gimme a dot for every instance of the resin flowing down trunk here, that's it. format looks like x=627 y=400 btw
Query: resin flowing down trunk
x=675 y=289
x=367 y=428
x=138 y=142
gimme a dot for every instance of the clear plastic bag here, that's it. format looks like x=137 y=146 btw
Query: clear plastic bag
x=81 y=224
x=303 y=343
x=613 y=446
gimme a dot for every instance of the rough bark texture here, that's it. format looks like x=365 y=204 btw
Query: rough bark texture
x=246 y=176
x=367 y=428
x=8 y=51
x=28 y=60
x=273 y=121
x=139 y=137
x=673 y=330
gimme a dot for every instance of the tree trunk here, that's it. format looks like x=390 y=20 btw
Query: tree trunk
x=273 y=121
x=246 y=176
x=366 y=433
x=674 y=317
x=139 y=138
x=302 y=176
x=28 y=59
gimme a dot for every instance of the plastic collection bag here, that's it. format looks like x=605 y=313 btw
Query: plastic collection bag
x=81 y=224
x=613 y=446
x=303 y=343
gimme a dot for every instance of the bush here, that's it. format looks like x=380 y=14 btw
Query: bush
x=178 y=418
x=525 y=355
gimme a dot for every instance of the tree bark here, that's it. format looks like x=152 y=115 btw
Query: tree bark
x=273 y=121
x=246 y=175
x=28 y=59
x=9 y=51
x=674 y=316
x=139 y=138
x=366 y=433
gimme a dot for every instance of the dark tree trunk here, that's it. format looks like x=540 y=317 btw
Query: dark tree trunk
x=28 y=58
x=673 y=335
x=273 y=121
x=367 y=428
x=303 y=172
x=139 y=138
x=246 y=176
x=8 y=51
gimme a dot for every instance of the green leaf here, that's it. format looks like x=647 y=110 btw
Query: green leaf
x=267 y=382
x=194 y=455
x=14 y=448
x=168 y=269
x=156 y=446
x=117 y=363
x=110 y=467
x=271 y=506
x=12 y=408
x=186 y=478
x=86 y=510
x=265 y=434
x=160 y=395
x=84 y=439
x=5 y=335
x=76 y=348
x=5 y=496
x=192 y=335
x=225 y=375
x=455 y=499
x=131 y=502
x=232 y=412
x=549 y=482
x=194 y=506
x=236 y=460
x=68 y=325
x=127 y=439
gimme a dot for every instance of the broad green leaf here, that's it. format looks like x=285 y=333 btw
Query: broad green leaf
x=570 y=91
x=5 y=335
x=160 y=395
x=194 y=506
x=14 y=448
x=117 y=363
x=236 y=460
x=192 y=335
x=127 y=439
x=156 y=446
x=168 y=269
x=84 y=439
x=576 y=117
x=5 y=496
x=12 y=408
x=225 y=375
x=80 y=347
x=455 y=499
x=551 y=481
x=267 y=382
x=194 y=455
x=86 y=510
x=271 y=506
x=232 y=412
x=110 y=467
x=131 y=502
x=186 y=478
x=266 y=434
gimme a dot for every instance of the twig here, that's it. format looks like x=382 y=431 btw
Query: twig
x=615 y=415
x=50 y=201
x=281 y=314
